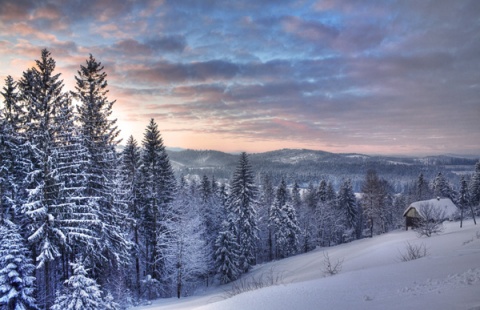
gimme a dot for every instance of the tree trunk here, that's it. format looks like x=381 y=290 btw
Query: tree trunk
x=137 y=265
x=270 y=245
x=473 y=215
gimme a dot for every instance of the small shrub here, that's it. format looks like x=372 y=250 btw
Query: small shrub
x=413 y=251
x=269 y=278
x=431 y=220
x=331 y=268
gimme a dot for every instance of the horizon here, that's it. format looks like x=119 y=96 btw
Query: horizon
x=390 y=79
x=466 y=156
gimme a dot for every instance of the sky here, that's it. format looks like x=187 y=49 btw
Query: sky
x=373 y=77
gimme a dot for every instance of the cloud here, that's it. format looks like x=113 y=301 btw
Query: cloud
x=309 y=30
x=338 y=73
x=167 y=72
x=173 y=43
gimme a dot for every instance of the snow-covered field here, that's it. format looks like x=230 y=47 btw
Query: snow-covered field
x=372 y=277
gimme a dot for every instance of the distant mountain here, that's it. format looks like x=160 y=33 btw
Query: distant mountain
x=305 y=166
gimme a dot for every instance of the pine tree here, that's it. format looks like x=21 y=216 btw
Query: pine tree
x=80 y=292
x=158 y=191
x=73 y=214
x=100 y=137
x=242 y=206
x=464 y=201
x=227 y=254
x=347 y=205
x=325 y=213
x=441 y=188
x=475 y=185
x=210 y=210
x=13 y=112
x=41 y=93
x=283 y=220
x=14 y=162
x=130 y=183
x=422 y=190
x=16 y=271
x=375 y=200
x=267 y=195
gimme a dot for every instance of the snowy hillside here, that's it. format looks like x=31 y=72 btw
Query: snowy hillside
x=372 y=277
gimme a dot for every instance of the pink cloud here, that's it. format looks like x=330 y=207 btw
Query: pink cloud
x=308 y=30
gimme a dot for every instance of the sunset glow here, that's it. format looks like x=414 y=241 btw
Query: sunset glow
x=375 y=77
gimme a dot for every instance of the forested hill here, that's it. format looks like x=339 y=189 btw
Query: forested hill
x=305 y=166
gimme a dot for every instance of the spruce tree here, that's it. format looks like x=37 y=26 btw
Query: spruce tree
x=130 y=183
x=73 y=215
x=422 y=190
x=475 y=185
x=210 y=211
x=100 y=137
x=16 y=270
x=41 y=93
x=267 y=195
x=80 y=292
x=227 y=254
x=158 y=191
x=325 y=213
x=465 y=200
x=347 y=205
x=14 y=161
x=283 y=220
x=441 y=188
x=242 y=204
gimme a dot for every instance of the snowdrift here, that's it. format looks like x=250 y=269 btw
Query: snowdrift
x=372 y=277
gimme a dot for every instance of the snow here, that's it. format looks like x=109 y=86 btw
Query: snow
x=443 y=204
x=372 y=277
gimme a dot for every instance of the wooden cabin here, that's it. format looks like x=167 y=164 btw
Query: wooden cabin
x=416 y=210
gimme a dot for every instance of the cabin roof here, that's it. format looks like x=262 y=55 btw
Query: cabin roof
x=444 y=204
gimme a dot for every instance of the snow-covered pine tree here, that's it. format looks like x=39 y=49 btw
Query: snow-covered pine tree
x=310 y=196
x=100 y=137
x=157 y=193
x=79 y=292
x=41 y=93
x=276 y=219
x=73 y=213
x=14 y=162
x=465 y=201
x=292 y=229
x=227 y=254
x=16 y=271
x=13 y=111
x=375 y=198
x=422 y=190
x=130 y=183
x=306 y=220
x=475 y=186
x=325 y=213
x=347 y=205
x=242 y=203
x=266 y=197
x=210 y=211
x=6 y=162
x=283 y=221
x=441 y=187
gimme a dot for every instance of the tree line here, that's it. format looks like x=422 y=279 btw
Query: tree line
x=83 y=225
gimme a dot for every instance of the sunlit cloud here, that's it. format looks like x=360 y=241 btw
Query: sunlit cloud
x=338 y=75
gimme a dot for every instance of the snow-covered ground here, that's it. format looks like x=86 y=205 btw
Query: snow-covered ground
x=372 y=277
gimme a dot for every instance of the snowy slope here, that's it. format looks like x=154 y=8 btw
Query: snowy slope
x=372 y=277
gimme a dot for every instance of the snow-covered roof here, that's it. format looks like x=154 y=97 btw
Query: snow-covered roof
x=443 y=204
